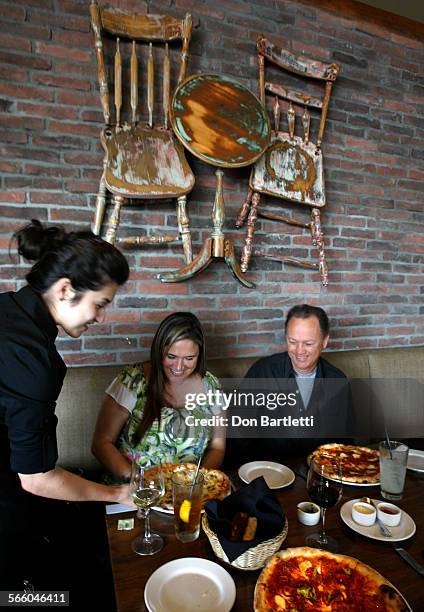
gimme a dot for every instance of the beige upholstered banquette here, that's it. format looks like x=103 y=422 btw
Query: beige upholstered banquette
x=84 y=387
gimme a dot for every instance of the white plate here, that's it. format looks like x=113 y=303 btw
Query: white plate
x=117 y=508
x=163 y=510
x=403 y=531
x=276 y=475
x=169 y=512
x=190 y=584
x=415 y=460
x=357 y=484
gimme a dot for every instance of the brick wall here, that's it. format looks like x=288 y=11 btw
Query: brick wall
x=374 y=160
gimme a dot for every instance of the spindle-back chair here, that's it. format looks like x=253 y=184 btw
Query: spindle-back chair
x=292 y=166
x=143 y=159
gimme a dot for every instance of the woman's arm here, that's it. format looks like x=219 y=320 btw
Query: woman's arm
x=215 y=451
x=60 y=484
x=112 y=417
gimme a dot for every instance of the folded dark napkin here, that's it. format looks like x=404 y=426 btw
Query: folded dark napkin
x=256 y=499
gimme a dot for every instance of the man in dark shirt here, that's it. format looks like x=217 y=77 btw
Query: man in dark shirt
x=315 y=390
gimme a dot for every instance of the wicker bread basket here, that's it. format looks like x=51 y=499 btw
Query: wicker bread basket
x=253 y=558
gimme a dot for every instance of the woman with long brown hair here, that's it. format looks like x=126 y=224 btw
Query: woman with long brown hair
x=144 y=416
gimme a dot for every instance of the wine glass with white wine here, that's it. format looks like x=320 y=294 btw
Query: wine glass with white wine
x=147 y=487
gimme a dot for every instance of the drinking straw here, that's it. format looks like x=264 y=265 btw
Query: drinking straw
x=195 y=474
x=388 y=441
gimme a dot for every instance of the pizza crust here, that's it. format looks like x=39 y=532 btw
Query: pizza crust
x=216 y=484
x=360 y=464
x=314 y=559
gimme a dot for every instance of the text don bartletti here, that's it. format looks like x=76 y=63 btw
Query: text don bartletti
x=218 y=420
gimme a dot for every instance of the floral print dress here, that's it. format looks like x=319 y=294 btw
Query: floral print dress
x=171 y=441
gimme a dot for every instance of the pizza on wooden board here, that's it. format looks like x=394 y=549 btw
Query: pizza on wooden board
x=309 y=579
x=216 y=483
x=359 y=464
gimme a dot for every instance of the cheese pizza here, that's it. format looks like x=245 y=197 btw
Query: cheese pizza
x=359 y=464
x=309 y=579
x=216 y=483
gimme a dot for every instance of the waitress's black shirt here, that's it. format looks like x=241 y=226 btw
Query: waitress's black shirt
x=31 y=377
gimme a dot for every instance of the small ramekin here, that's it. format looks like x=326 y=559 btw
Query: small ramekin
x=392 y=519
x=366 y=518
x=308 y=518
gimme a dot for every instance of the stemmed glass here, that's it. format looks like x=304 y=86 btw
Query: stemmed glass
x=326 y=493
x=147 y=486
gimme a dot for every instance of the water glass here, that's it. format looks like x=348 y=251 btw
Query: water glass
x=393 y=460
x=187 y=495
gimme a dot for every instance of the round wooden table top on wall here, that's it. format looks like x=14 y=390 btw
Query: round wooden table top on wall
x=220 y=121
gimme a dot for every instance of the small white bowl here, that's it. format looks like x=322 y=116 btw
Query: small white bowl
x=308 y=513
x=364 y=514
x=389 y=514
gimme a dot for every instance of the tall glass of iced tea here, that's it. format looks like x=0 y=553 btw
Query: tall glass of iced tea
x=187 y=495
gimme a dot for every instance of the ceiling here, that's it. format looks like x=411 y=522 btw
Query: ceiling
x=413 y=9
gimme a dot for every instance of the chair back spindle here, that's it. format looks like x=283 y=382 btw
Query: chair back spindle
x=101 y=68
x=261 y=72
x=166 y=86
x=150 y=85
x=276 y=112
x=134 y=83
x=118 y=83
x=325 y=103
x=306 y=122
x=186 y=36
x=291 y=117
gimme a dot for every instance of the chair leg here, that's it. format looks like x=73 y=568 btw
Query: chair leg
x=184 y=228
x=318 y=242
x=114 y=218
x=241 y=217
x=141 y=240
x=230 y=260
x=100 y=204
x=251 y=220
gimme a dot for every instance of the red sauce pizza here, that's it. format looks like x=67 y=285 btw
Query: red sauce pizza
x=308 y=579
x=359 y=464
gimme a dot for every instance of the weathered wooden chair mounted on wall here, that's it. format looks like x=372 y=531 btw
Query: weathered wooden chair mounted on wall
x=292 y=166
x=142 y=161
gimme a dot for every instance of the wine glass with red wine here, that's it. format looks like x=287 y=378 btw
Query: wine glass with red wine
x=325 y=492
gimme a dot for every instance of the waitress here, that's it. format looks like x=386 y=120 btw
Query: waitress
x=75 y=276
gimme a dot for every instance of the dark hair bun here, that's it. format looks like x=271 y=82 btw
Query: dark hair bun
x=87 y=260
x=34 y=240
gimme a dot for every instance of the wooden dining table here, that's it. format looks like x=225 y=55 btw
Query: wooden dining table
x=131 y=571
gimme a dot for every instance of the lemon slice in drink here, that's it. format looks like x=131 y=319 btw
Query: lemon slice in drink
x=185 y=511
